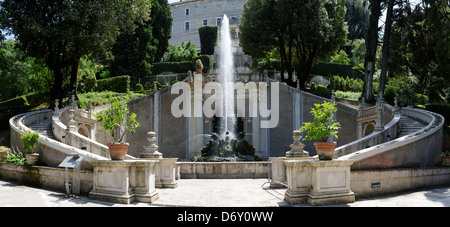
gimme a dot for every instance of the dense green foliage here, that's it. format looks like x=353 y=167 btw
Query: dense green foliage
x=183 y=52
x=346 y=84
x=301 y=32
x=120 y=84
x=173 y=67
x=357 y=18
x=17 y=158
x=29 y=141
x=323 y=126
x=208 y=38
x=102 y=98
x=61 y=32
x=19 y=74
x=117 y=120
x=135 y=53
x=18 y=105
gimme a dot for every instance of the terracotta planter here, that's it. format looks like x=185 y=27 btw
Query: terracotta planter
x=325 y=150
x=446 y=160
x=199 y=70
x=117 y=151
x=32 y=158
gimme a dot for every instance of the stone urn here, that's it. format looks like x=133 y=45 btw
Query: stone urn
x=446 y=160
x=118 y=151
x=3 y=155
x=32 y=158
x=325 y=150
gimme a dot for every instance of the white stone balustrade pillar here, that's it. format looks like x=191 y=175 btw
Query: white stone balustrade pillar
x=166 y=169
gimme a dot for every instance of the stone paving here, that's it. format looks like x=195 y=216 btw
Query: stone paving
x=213 y=193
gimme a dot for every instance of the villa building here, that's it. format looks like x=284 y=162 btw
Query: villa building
x=189 y=15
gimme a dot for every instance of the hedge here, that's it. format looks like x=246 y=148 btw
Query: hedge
x=322 y=68
x=172 y=67
x=208 y=38
x=329 y=69
x=120 y=84
x=22 y=104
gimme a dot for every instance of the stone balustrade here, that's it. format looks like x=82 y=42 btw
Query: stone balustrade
x=124 y=181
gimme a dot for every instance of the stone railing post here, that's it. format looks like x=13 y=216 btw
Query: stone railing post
x=166 y=169
x=278 y=168
x=72 y=123
x=297 y=147
x=379 y=123
x=55 y=112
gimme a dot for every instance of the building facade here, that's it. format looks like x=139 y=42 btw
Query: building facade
x=189 y=15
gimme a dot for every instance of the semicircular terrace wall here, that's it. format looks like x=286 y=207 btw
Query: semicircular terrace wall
x=177 y=137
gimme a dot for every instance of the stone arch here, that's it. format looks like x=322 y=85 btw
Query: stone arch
x=370 y=127
x=83 y=130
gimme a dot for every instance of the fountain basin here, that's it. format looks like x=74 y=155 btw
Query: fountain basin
x=223 y=170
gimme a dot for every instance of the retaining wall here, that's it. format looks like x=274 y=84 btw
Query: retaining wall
x=44 y=177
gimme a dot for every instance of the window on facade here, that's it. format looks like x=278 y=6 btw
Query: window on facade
x=186 y=26
x=188 y=11
x=219 y=21
x=205 y=22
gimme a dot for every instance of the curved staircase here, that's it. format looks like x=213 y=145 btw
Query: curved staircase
x=43 y=128
x=410 y=125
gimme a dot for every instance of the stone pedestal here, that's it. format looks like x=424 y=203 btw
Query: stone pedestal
x=166 y=173
x=318 y=182
x=124 y=181
x=277 y=172
x=330 y=183
x=298 y=174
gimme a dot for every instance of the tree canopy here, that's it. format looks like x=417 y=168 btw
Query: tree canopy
x=61 y=32
x=135 y=53
x=301 y=31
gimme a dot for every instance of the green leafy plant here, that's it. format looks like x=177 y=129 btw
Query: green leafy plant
x=115 y=120
x=15 y=158
x=323 y=125
x=29 y=141
x=139 y=87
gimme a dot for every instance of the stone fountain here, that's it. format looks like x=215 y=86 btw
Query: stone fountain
x=227 y=142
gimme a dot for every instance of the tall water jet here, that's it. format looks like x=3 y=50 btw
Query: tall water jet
x=227 y=142
x=226 y=76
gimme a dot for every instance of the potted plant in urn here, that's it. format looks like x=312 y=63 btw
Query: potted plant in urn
x=117 y=124
x=29 y=141
x=4 y=153
x=199 y=66
x=322 y=128
x=445 y=158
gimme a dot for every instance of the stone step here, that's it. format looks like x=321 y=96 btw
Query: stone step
x=409 y=125
x=44 y=128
